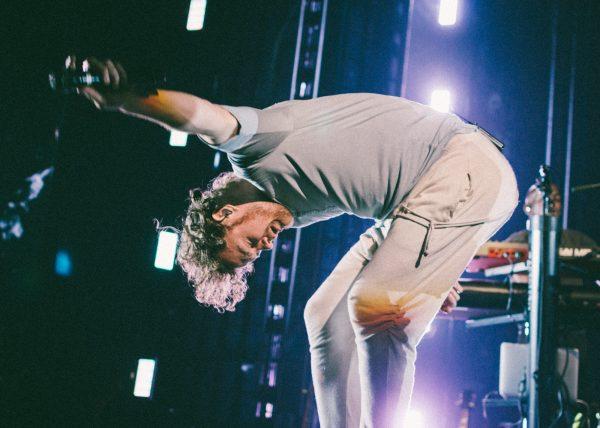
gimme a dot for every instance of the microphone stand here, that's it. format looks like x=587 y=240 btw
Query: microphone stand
x=544 y=234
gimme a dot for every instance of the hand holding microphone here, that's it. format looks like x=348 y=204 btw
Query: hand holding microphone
x=105 y=83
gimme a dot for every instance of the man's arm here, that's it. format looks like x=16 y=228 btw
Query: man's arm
x=171 y=109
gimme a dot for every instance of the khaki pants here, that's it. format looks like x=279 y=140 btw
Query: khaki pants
x=362 y=355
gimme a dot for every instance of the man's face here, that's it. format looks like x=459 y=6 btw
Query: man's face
x=249 y=230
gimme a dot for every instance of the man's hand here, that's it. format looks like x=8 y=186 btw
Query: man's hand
x=452 y=298
x=170 y=109
x=114 y=91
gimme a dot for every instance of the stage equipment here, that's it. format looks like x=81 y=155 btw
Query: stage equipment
x=466 y=403
x=544 y=233
x=506 y=258
x=539 y=379
x=514 y=367
x=284 y=256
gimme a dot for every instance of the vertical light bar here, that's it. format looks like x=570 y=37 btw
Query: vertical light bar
x=447 y=14
x=178 y=139
x=165 y=250
x=440 y=100
x=551 y=87
x=196 y=15
x=569 y=148
x=144 y=378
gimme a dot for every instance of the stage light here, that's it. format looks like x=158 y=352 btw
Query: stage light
x=217 y=160
x=268 y=410
x=278 y=312
x=144 y=378
x=165 y=250
x=62 y=263
x=178 y=139
x=414 y=419
x=447 y=14
x=440 y=100
x=196 y=15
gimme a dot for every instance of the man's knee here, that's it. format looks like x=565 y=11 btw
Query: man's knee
x=372 y=311
x=366 y=304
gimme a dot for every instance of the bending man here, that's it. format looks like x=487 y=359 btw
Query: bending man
x=437 y=187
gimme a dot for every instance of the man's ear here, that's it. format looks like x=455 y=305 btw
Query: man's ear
x=223 y=212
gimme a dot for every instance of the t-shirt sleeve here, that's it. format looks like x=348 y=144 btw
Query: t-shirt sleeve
x=247 y=117
x=260 y=131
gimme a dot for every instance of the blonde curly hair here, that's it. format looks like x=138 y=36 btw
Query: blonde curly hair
x=201 y=239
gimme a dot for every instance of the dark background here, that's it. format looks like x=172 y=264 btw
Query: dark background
x=68 y=346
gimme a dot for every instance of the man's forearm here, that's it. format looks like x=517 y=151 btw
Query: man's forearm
x=184 y=112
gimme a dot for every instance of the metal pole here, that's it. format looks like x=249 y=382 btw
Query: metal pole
x=544 y=232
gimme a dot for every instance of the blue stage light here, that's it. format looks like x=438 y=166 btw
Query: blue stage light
x=62 y=263
x=165 y=250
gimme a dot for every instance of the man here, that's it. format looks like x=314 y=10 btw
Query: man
x=438 y=188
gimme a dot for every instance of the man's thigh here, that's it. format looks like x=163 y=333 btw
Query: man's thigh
x=390 y=283
x=469 y=182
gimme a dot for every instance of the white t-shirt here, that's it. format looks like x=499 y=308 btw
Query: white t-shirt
x=354 y=153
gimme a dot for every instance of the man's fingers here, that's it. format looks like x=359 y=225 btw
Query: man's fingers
x=95 y=66
x=459 y=287
x=122 y=73
x=378 y=328
x=453 y=298
x=397 y=319
x=113 y=74
x=93 y=95
x=381 y=327
x=71 y=62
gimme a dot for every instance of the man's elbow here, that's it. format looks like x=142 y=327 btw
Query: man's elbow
x=212 y=123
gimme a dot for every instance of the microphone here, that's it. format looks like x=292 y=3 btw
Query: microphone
x=67 y=82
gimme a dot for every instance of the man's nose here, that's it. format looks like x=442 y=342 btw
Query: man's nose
x=265 y=244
